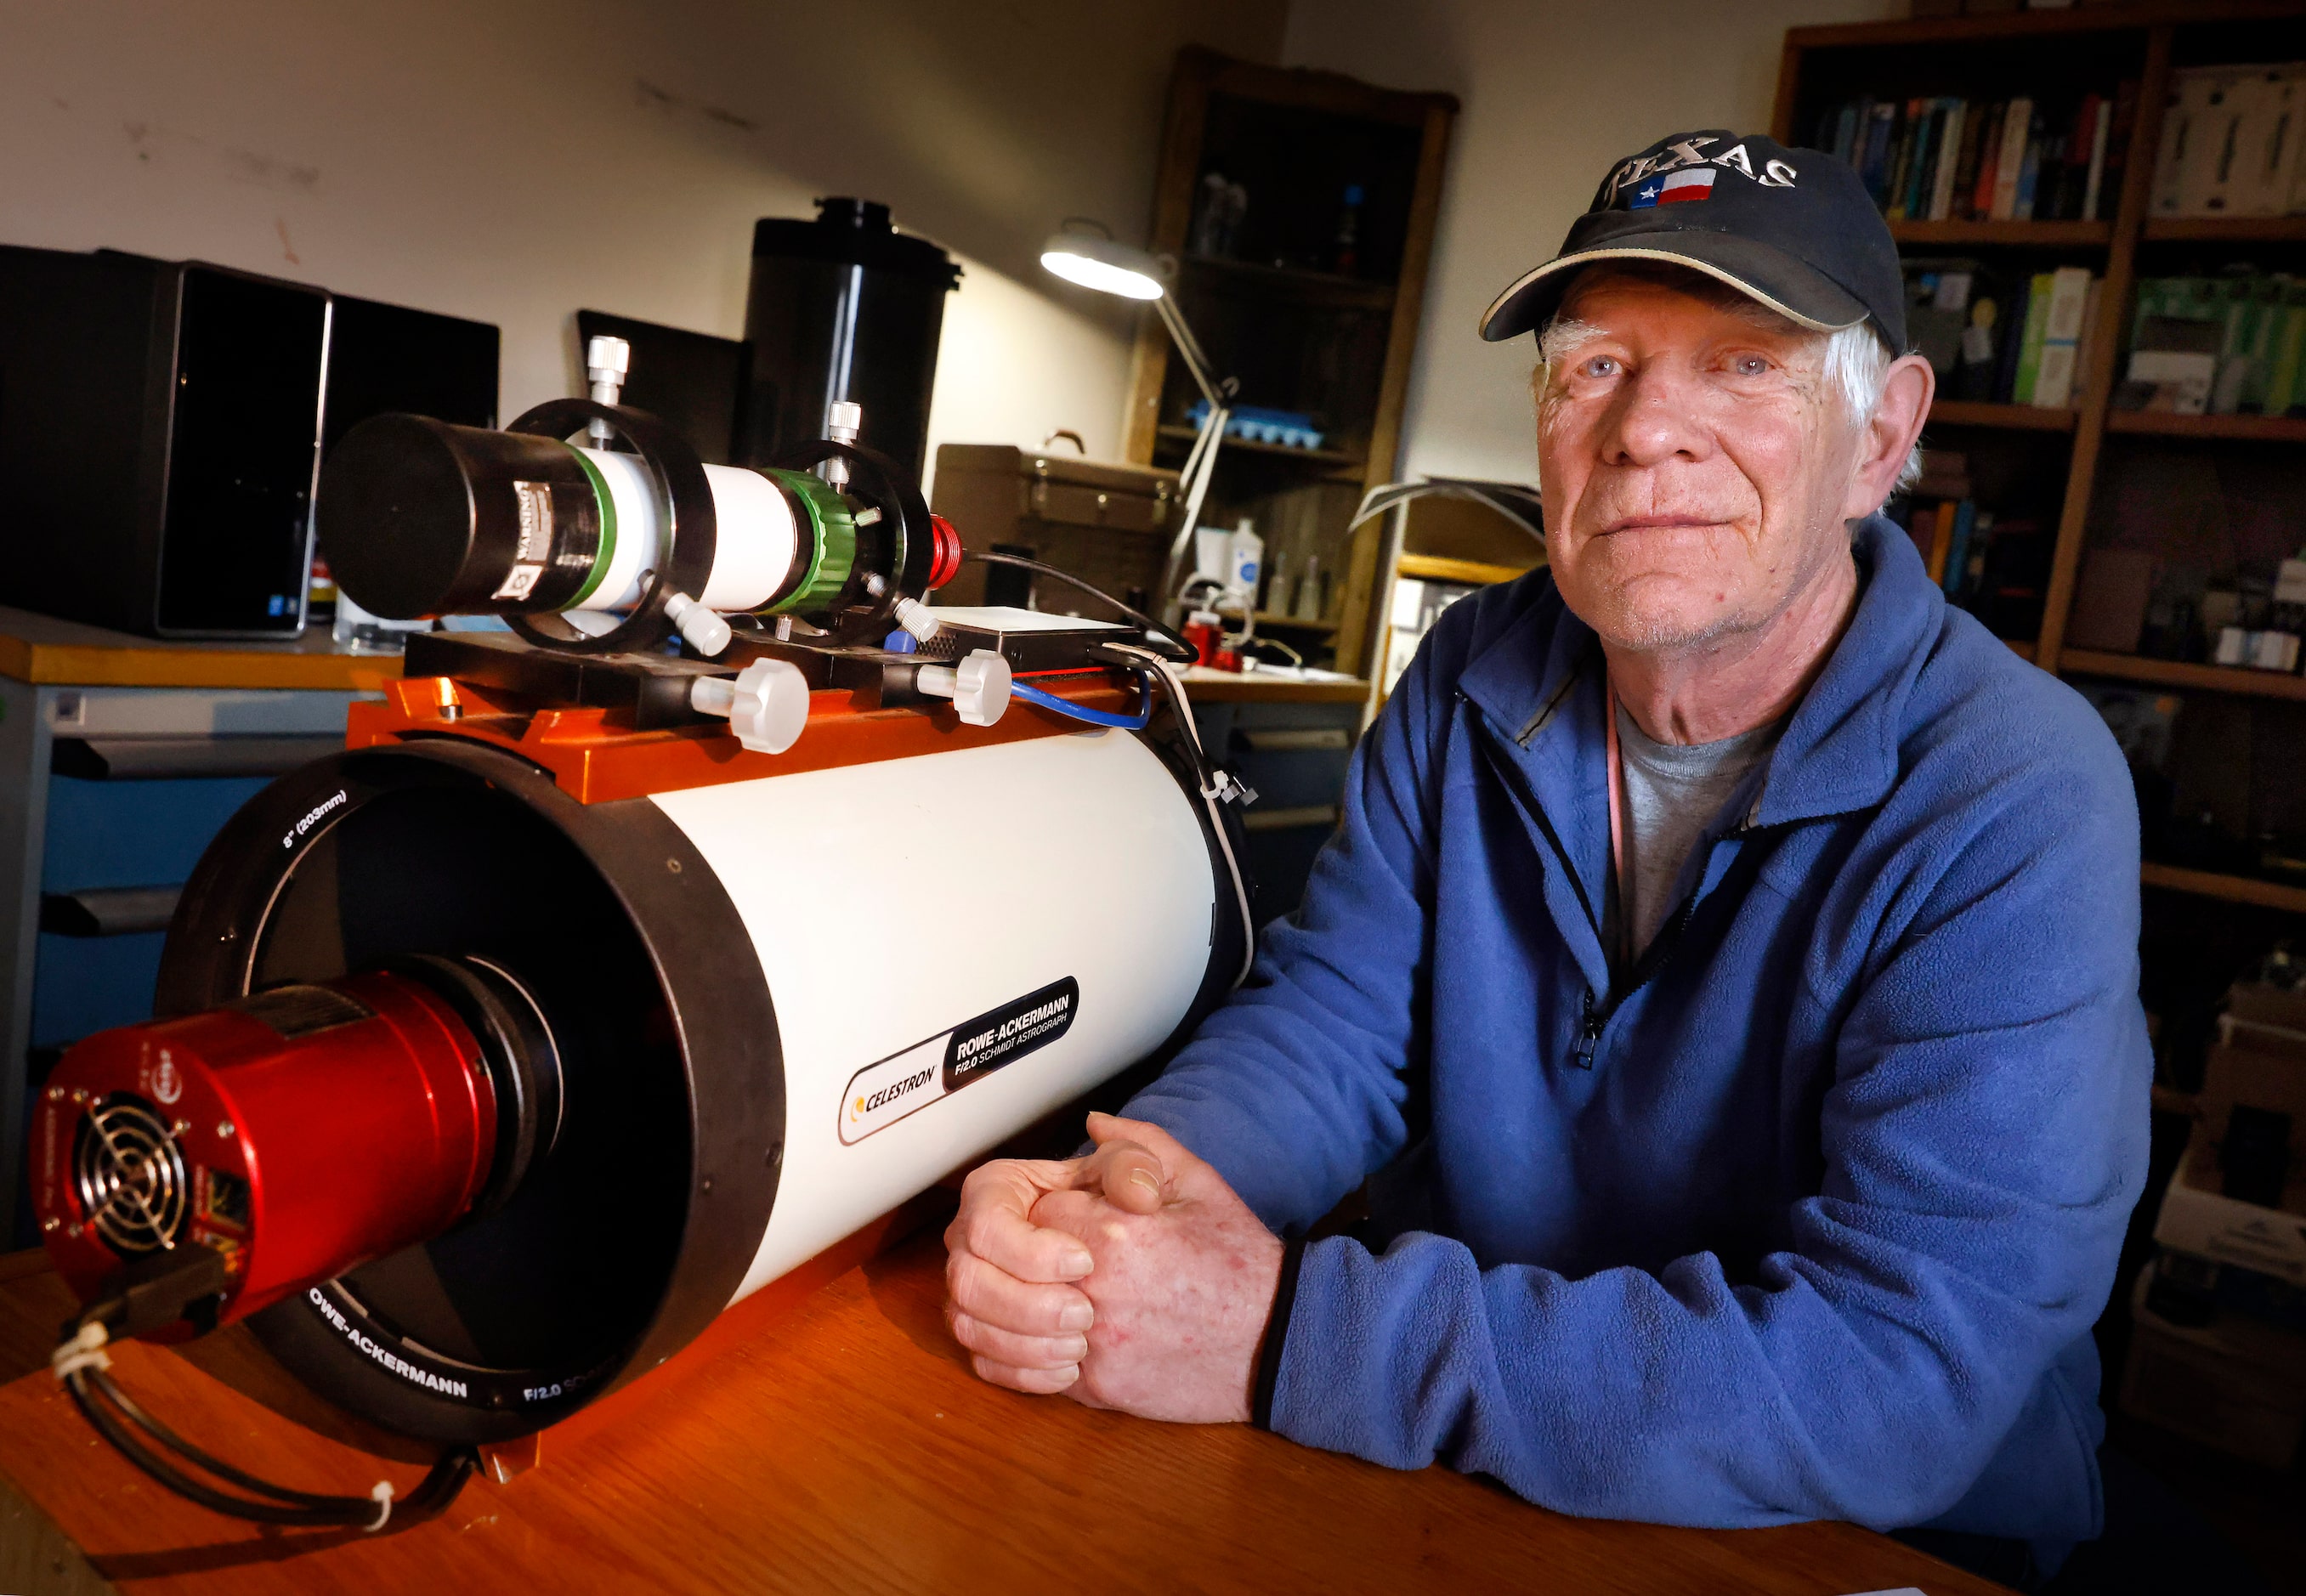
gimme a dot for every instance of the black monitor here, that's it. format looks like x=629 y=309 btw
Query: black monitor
x=386 y=357
x=690 y=380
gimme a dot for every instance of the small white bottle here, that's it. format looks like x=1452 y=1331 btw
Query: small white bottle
x=1310 y=598
x=1245 y=557
x=1212 y=552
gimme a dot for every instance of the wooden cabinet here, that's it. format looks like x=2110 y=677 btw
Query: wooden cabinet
x=1309 y=294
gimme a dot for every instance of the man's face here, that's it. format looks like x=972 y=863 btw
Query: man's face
x=1696 y=463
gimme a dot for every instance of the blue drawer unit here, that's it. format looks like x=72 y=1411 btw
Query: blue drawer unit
x=132 y=833
x=103 y=836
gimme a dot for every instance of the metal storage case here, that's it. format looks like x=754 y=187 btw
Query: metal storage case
x=1107 y=523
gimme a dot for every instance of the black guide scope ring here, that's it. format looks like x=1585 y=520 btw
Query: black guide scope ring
x=684 y=561
x=905 y=516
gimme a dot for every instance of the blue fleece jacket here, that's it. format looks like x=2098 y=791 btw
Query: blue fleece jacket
x=1807 y=1215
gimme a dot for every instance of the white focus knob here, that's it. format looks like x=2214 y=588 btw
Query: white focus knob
x=918 y=618
x=606 y=362
x=978 y=685
x=766 y=704
x=704 y=628
x=608 y=359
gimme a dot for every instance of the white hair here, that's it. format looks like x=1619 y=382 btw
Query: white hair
x=1856 y=361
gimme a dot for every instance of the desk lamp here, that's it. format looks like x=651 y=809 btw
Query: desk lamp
x=1100 y=261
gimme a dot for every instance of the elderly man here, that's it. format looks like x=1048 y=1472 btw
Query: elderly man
x=1724 y=977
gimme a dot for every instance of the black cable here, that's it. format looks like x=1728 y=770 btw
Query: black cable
x=1185 y=653
x=1204 y=772
x=102 y=1403
x=1214 y=791
x=109 y=1389
x=187 y=1283
x=127 y=1445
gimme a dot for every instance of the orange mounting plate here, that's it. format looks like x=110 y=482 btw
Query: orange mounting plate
x=596 y=755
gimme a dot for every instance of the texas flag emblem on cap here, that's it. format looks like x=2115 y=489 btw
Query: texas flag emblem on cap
x=1691 y=183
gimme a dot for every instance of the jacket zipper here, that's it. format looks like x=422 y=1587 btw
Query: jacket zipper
x=1655 y=957
x=1592 y=1020
x=1589 y=1034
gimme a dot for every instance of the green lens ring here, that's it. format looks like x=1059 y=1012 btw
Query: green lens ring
x=832 y=543
x=608 y=552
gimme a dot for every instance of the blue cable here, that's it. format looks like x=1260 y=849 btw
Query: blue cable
x=1095 y=717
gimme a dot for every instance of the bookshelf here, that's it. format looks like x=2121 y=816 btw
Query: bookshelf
x=1998 y=55
x=2255 y=429
x=2024 y=418
x=2226 y=229
x=2186 y=677
x=1352 y=462
x=2230 y=889
x=1305 y=322
x=2039 y=235
x=1273 y=619
x=2047 y=28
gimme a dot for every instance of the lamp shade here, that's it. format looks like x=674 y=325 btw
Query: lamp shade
x=1102 y=264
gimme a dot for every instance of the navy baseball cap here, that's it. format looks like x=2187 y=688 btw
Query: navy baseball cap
x=1794 y=229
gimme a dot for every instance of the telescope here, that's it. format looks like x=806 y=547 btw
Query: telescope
x=632 y=954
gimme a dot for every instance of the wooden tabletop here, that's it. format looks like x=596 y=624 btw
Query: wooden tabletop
x=828 y=1441
x=42 y=649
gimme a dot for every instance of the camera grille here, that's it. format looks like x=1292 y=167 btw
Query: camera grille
x=130 y=1175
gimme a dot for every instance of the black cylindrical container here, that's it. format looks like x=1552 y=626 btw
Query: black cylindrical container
x=845 y=307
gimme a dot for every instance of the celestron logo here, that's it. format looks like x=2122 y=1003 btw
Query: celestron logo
x=889 y=1094
x=904 y=1083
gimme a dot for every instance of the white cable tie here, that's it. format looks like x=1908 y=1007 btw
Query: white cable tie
x=1227 y=788
x=85 y=1350
x=383 y=1496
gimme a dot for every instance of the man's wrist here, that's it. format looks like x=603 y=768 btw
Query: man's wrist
x=1276 y=1332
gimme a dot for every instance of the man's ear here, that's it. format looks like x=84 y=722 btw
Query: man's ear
x=1889 y=437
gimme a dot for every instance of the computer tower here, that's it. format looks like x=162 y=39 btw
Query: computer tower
x=159 y=433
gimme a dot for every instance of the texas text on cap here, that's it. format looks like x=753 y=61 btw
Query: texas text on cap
x=1792 y=228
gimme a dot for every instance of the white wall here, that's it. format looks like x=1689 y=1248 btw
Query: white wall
x=1553 y=91
x=515 y=161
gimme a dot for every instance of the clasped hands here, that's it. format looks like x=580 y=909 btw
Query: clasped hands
x=1131 y=1277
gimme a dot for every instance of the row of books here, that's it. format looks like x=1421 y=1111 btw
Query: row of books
x=2232 y=143
x=1996 y=567
x=1945 y=532
x=1943 y=158
x=2003 y=336
x=1993 y=565
x=2222 y=345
